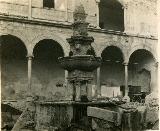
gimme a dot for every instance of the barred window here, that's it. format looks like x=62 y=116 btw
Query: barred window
x=48 y=3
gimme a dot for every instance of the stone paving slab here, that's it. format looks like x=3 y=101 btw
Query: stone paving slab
x=104 y=114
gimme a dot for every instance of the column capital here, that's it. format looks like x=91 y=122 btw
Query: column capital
x=125 y=6
x=97 y=1
x=98 y=68
x=125 y=63
x=156 y=64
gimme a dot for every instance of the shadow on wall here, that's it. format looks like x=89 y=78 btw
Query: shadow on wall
x=141 y=65
x=14 y=67
x=46 y=69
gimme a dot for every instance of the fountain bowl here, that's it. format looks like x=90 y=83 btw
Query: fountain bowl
x=77 y=62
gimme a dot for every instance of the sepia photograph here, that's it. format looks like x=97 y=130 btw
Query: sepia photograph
x=79 y=65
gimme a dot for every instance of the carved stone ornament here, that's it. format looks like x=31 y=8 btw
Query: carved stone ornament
x=80 y=59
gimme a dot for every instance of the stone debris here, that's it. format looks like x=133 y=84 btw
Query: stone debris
x=152 y=103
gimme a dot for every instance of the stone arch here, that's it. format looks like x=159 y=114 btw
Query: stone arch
x=22 y=41
x=18 y=34
x=112 y=43
x=140 y=58
x=145 y=47
x=63 y=43
x=112 y=68
x=121 y=2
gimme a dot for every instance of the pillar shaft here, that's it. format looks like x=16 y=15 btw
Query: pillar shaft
x=29 y=72
x=97 y=6
x=89 y=91
x=98 y=82
x=66 y=76
x=125 y=17
x=78 y=92
x=0 y=60
x=126 y=78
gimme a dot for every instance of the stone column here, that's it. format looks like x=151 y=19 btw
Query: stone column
x=97 y=8
x=98 y=83
x=71 y=90
x=78 y=92
x=125 y=17
x=0 y=59
x=66 y=75
x=89 y=91
x=29 y=73
x=126 y=97
x=126 y=78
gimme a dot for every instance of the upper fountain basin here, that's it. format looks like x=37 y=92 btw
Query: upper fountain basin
x=77 y=62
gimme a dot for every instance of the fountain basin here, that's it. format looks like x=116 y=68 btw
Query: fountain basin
x=84 y=63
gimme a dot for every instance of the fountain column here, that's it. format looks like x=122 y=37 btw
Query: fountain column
x=66 y=75
x=98 y=82
x=78 y=91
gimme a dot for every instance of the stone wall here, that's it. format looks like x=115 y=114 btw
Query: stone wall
x=14 y=80
x=31 y=34
x=112 y=75
x=53 y=116
x=140 y=17
x=45 y=77
x=14 y=9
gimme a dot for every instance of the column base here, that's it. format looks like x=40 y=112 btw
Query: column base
x=98 y=96
x=126 y=98
x=29 y=98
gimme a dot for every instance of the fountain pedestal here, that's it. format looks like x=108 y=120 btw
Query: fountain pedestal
x=80 y=63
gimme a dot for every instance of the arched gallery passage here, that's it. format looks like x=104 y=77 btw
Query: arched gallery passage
x=111 y=15
x=112 y=69
x=141 y=72
x=13 y=67
x=46 y=71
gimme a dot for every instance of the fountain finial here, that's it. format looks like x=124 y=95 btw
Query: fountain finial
x=80 y=25
x=79 y=14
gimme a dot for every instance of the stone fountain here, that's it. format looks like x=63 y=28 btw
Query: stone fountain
x=80 y=112
x=80 y=63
